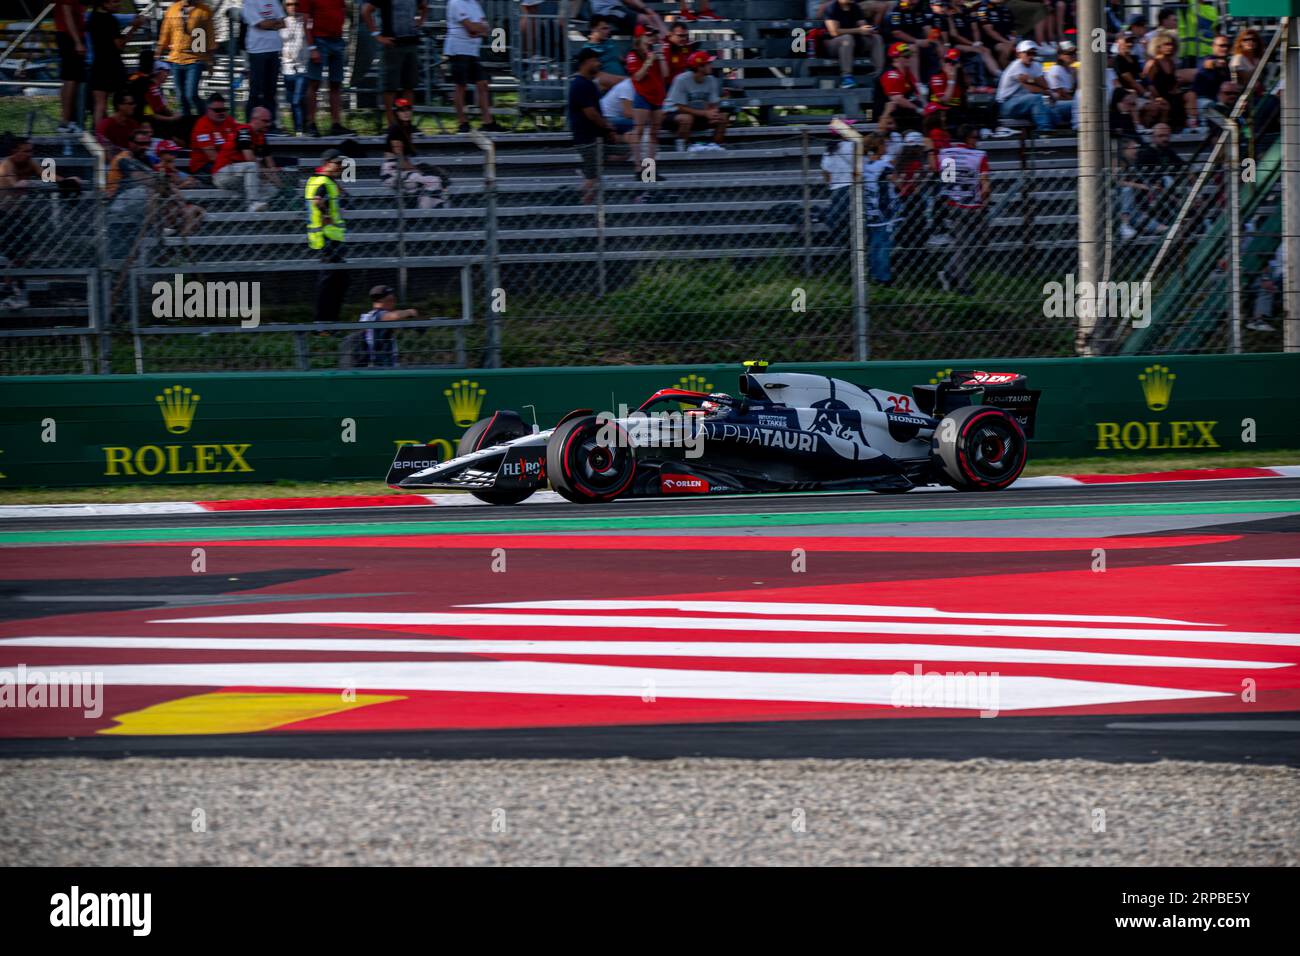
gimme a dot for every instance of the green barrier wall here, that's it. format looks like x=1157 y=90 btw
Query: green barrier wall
x=78 y=431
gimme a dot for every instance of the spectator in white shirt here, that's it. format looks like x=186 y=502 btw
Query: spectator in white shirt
x=293 y=63
x=264 y=20
x=466 y=27
x=1063 y=83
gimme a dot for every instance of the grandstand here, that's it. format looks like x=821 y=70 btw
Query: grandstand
x=628 y=278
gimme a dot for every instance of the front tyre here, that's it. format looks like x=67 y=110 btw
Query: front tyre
x=486 y=432
x=979 y=448
x=590 y=461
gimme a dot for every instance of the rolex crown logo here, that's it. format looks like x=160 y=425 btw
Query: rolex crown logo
x=1157 y=385
x=695 y=383
x=940 y=375
x=178 y=405
x=465 y=398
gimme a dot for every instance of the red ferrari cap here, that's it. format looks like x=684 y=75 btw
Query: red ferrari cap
x=699 y=58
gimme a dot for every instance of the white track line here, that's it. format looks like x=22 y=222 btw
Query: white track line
x=593 y=680
x=685 y=649
x=791 y=625
x=820 y=610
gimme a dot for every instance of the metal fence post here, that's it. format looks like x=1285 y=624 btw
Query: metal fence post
x=807 y=201
x=600 y=219
x=491 y=330
x=401 y=233
x=1291 y=184
x=1092 y=172
x=1234 y=233
x=858 y=256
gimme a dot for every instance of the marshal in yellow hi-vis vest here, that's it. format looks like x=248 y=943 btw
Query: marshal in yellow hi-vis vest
x=318 y=230
x=1197 y=24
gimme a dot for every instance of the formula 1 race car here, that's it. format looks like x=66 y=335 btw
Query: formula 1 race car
x=790 y=431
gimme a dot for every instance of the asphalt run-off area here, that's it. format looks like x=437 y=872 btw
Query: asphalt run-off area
x=1116 y=623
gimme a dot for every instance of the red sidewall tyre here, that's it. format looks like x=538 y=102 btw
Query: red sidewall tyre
x=979 y=448
x=582 y=468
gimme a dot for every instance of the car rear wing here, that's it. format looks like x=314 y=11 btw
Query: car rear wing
x=1009 y=391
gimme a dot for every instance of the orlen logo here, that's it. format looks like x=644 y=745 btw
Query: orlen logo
x=683 y=485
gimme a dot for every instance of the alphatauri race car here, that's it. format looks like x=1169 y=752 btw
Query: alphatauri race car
x=783 y=431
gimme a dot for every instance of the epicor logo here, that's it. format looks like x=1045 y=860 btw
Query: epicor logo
x=178 y=405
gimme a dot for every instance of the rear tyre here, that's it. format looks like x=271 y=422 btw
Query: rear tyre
x=584 y=466
x=486 y=432
x=979 y=448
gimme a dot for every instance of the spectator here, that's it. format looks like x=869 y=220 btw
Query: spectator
x=107 y=72
x=625 y=15
x=586 y=123
x=998 y=27
x=158 y=112
x=702 y=11
x=531 y=29
x=21 y=179
x=934 y=140
x=293 y=63
x=1128 y=71
x=178 y=216
x=19 y=171
x=378 y=347
x=907 y=25
x=849 y=31
x=326 y=232
x=1114 y=16
x=1161 y=73
x=1133 y=190
x=965 y=35
x=1196 y=23
x=1137 y=29
x=1246 y=54
x=1022 y=89
x=263 y=19
x=616 y=107
x=186 y=40
x=897 y=89
x=70 y=39
x=466 y=27
x=326 y=52
x=245 y=164
x=427 y=183
x=694 y=103
x=130 y=179
x=114 y=132
x=1213 y=73
x=837 y=170
x=1063 y=83
x=1225 y=99
x=1269 y=284
x=1161 y=168
x=948 y=86
x=910 y=179
x=611 y=71
x=937 y=26
x=887 y=129
x=677 y=49
x=209 y=135
x=1123 y=113
x=649 y=75
x=965 y=196
x=879 y=207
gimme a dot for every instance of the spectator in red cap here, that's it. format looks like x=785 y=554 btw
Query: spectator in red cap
x=178 y=215
x=897 y=89
x=427 y=183
x=948 y=86
x=693 y=104
x=649 y=72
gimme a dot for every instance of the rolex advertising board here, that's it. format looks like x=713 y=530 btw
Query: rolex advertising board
x=247 y=427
